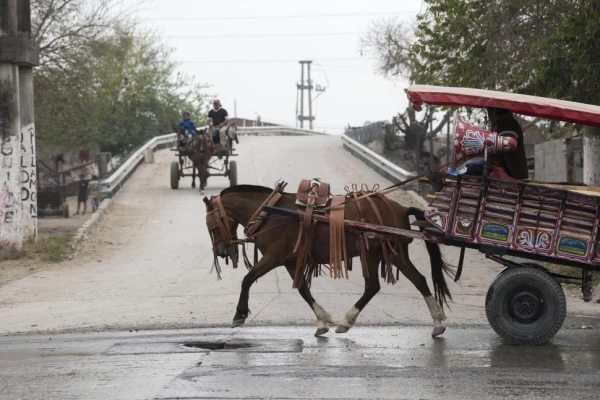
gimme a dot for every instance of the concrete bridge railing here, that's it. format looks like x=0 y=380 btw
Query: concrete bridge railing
x=110 y=186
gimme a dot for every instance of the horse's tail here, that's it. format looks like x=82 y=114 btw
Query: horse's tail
x=439 y=266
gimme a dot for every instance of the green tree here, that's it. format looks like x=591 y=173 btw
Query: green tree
x=102 y=83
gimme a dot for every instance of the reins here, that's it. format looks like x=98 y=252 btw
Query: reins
x=383 y=192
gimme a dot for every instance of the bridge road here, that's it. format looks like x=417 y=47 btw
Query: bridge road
x=147 y=267
x=148 y=264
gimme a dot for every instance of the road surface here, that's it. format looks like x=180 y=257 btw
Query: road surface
x=147 y=267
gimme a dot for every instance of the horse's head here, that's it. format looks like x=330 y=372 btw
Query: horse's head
x=222 y=229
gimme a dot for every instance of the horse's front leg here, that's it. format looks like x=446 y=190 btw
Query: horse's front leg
x=371 y=288
x=193 y=175
x=203 y=176
x=324 y=319
x=262 y=267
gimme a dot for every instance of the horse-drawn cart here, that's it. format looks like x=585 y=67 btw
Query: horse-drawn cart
x=510 y=221
x=207 y=159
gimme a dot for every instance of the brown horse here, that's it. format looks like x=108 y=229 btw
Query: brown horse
x=277 y=237
x=199 y=150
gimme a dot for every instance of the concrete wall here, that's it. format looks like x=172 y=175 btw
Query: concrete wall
x=551 y=161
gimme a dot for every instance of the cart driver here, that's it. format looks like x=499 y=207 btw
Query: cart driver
x=513 y=163
x=219 y=118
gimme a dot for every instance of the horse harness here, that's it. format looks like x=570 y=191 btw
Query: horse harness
x=312 y=195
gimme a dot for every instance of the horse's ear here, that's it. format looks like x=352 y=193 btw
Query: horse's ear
x=207 y=202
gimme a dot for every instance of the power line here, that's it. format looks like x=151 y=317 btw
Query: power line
x=266 y=35
x=280 y=16
x=269 y=61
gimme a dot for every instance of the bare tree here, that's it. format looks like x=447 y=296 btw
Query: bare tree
x=390 y=41
x=415 y=129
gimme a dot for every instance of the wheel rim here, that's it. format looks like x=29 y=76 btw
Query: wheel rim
x=525 y=305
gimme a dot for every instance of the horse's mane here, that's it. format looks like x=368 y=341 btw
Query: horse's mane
x=247 y=189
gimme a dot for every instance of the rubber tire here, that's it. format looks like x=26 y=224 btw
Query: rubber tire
x=65 y=210
x=497 y=306
x=232 y=173
x=174 y=175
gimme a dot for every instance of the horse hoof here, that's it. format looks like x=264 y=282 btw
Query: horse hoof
x=342 y=329
x=237 y=322
x=438 y=330
x=202 y=193
x=321 y=331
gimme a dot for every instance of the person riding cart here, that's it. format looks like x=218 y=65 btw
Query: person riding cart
x=219 y=118
x=187 y=128
x=512 y=164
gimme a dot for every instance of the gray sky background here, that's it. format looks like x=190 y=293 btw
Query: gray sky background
x=354 y=93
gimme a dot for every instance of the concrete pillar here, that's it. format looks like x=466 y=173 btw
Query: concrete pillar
x=11 y=233
x=28 y=159
x=591 y=156
x=18 y=55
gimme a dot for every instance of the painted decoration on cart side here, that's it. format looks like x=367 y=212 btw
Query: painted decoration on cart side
x=495 y=232
x=472 y=142
x=569 y=245
x=463 y=227
x=530 y=239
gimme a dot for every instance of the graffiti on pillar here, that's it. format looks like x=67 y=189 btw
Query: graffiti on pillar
x=28 y=171
x=9 y=202
x=28 y=180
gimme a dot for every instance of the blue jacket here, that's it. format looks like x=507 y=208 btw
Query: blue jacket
x=189 y=126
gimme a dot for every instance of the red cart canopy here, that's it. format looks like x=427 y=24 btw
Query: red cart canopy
x=534 y=106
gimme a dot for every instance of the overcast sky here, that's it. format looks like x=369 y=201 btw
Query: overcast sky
x=354 y=93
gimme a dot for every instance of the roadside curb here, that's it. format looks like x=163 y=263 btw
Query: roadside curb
x=91 y=223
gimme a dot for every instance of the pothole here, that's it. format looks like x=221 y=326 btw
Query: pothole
x=219 y=345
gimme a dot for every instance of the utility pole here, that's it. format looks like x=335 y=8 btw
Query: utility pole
x=302 y=86
x=18 y=176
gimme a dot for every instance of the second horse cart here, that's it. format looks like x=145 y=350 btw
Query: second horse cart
x=204 y=161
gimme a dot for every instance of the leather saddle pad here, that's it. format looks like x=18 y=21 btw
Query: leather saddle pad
x=305 y=188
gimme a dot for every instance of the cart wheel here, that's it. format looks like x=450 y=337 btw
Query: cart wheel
x=232 y=173
x=174 y=175
x=65 y=210
x=525 y=306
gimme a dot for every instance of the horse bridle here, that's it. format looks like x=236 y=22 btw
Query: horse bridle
x=217 y=218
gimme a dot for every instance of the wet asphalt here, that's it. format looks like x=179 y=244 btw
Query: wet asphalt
x=290 y=363
x=151 y=269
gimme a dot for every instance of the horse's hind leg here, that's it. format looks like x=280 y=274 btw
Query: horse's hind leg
x=408 y=269
x=324 y=319
x=193 y=176
x=262 y=267
x=371 y=288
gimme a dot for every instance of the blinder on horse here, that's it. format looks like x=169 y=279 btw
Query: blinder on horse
x=219 y=226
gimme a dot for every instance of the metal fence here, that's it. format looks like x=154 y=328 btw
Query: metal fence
x=366 y=134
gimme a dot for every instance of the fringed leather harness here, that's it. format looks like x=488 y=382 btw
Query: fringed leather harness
x=312 y=195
